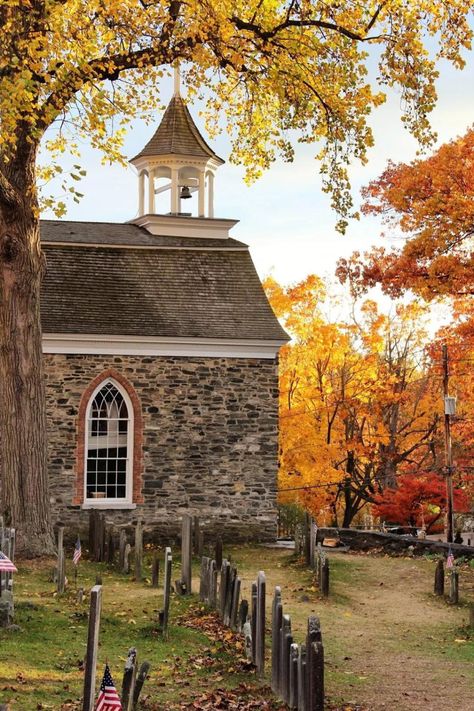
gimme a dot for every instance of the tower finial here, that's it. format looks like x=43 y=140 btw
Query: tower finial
x=177 y=79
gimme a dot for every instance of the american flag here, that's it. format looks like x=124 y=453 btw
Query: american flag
x=77 y=552
x=108 y=699
x=450 y=559
x=6 y=566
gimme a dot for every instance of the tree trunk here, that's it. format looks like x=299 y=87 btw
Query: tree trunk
x=24 y=496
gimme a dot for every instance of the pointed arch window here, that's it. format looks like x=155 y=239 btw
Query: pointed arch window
x=109 y=445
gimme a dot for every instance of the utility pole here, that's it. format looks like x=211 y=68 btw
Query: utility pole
x=447 y=446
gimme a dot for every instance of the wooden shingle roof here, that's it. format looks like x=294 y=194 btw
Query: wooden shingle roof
x=119 y=280
x=177 y=134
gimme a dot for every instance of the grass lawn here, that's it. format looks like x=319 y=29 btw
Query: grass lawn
x=389 y=643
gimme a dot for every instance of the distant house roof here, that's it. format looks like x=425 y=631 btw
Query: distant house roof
x=117 y=279
x=177 y=134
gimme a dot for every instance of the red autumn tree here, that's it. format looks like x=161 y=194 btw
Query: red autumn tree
x=419 y=500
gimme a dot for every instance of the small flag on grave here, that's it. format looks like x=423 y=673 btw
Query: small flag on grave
x=77 y=552
x=108 y=699
x=450 y=559
x=6 y=566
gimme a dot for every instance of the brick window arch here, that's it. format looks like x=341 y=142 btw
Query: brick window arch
x=109 y=444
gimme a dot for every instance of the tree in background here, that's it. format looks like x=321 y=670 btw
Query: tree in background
x=419 y=501
x=431 y=201
x=357 y=400
x=273 y=68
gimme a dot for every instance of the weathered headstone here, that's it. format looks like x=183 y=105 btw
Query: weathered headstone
x=140 y=680
x=218 y=554
x=138 y=550
x=186 y=552
x=235 y=603
x=253 y=620
x=312 y=543
x=247 y=632
x=285 y=634
x=439 y=578
x=92 y=647
x=454 y=587
x=277 y=613
x=110 y=547
x=128 y=682
x=302 y=678
x=312 y=670
x=122 y=544
x=213 y=573
x=126 y=559
x=325 y=577
x=293 y=678
x=260 y=641
x=224 y=584
x=167 y=589
x=155 y=570
x=243 y=614
x=61 y=581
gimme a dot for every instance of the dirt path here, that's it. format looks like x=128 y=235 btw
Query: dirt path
x=389 y=644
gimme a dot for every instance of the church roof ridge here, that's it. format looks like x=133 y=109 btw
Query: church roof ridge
x=177 y=134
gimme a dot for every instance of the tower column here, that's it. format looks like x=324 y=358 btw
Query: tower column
x=201 y=194
x=174 y=191
x=151 y=192
x=210 y=194
x=141 y=193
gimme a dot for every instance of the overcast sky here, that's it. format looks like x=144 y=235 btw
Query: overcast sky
x=284 y=217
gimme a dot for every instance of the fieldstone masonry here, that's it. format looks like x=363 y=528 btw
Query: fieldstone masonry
x=208 y=441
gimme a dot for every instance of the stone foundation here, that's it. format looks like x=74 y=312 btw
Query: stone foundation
x=208 y=442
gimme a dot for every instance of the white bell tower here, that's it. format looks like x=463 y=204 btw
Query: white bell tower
x=175 y=165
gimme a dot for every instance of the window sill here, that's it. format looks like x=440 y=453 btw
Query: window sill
x=113 y=505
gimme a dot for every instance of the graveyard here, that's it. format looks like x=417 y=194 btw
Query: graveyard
x=389 y=641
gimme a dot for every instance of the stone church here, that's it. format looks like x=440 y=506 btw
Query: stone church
x=161 y=353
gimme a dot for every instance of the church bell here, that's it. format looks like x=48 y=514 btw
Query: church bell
x=185 y=193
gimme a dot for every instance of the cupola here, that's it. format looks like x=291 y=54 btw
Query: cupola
x=175 y=164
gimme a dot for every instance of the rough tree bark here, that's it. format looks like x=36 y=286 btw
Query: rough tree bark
x=24 y=496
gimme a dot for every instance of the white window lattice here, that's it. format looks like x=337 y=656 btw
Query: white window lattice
x=108 y=445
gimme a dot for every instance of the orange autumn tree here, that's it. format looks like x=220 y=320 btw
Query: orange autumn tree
x=356 y=402
x=431 y=201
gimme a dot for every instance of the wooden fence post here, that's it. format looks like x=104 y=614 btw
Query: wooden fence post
x=92 y=646
x=186 y=553
x=277 y=613
x=439 y=578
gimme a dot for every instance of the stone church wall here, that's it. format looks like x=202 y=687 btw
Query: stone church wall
x=209 y=441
